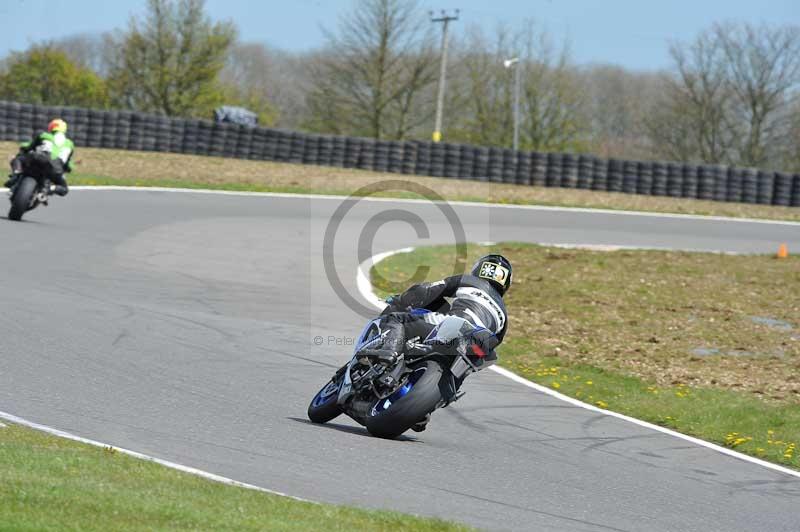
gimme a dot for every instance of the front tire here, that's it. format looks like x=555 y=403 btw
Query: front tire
x=22 y=198
x=324 y=406
x=390 y=417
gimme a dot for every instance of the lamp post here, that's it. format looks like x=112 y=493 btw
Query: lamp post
x=445 y=20
x=508 y=63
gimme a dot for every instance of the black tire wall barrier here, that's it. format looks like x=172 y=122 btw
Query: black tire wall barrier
x=126 y=130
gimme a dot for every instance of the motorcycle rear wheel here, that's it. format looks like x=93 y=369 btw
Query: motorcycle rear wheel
x=391 y=417
x=22 y=198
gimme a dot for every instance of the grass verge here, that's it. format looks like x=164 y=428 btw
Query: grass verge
x=706 y=344
x=49 y=483
x=114 y=167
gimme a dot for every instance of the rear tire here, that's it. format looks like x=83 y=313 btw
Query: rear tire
x=22 y=198
x=324 y=407
x=409 y=409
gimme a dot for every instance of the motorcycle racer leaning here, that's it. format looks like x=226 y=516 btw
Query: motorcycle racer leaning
x=476 y=297
x=48 y=155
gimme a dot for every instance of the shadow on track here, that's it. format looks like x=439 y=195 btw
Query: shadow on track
x=358 y=431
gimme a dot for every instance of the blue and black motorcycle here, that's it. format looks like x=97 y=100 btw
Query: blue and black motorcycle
x=392 y=394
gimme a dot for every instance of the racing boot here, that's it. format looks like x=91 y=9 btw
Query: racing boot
x=12 y=180
x=421 y=425
x=61 y=190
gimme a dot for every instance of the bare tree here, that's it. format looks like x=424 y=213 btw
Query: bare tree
x=730 y=97
x=763 y=64
x=373 y=77
x=551 y=116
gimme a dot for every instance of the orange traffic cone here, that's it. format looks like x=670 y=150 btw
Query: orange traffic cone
x=783 y=251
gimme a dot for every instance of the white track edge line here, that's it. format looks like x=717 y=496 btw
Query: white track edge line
x=172 y=465
x=458 y=203
x=366 y=292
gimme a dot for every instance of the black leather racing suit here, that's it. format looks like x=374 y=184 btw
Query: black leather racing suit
x=471 y=298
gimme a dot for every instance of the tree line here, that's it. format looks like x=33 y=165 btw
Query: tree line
x=730 y=96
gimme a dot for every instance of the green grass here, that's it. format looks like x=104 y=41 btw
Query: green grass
x=49 y=483
x=631 y=331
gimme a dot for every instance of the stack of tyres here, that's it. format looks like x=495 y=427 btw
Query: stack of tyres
x=177 y=130
x=600 y=174
x=136 y=135
x=110 y=121
x=95 y=131
x=674 y=180
x=660 y=178
x=783 y=189
x=735 y=184
x=569 y=171
x=149 y=126
x=339 y=151
x=244 y=141
x=749 y=185
x=27 y=121
x=42 y=116
x=652 y=178
x=12 y=122
x=122 y=140
x=795 y=191
x=396 y=157
x=452 y=160
x=689 y=181
x=629 y=177
x=482 y=157
x=409 y=157
x=163 y=133
x=283 y=146
x=274 y=141
x=79 y=129
x=311 y=150
x=554 y=169
x=720 y=174
x=705 y=182
x=437 y=159
x=205 y=129
x=380 y=160
x=4 y=123
x=615 y=173
x=366 y=158
x=352 y=152
x=585 y=171
x=325 y=155
x=258 y=144
x=231 y=139
x=538 y=169
x=766 y=185
x=523 y=176
x=191 y=127
x=495 y=169
x=509 y=165
x=466 y=162
x=423 y=166
x=219 y=134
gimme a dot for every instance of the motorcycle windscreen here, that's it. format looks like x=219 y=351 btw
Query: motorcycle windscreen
x=450 y=329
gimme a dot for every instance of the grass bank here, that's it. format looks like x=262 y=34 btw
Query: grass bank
x=113 y=167
x=707 y=344
x=48 y=483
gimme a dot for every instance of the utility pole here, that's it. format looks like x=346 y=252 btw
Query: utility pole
x=508 y=63
x=445 y=19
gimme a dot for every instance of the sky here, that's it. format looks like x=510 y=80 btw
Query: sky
x=631 y=33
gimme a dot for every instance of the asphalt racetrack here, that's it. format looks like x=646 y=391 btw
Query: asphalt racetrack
x=197 y=327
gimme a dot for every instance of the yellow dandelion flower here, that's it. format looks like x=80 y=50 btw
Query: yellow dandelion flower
x=602 y=404
x=556 y=385
x=589 y=383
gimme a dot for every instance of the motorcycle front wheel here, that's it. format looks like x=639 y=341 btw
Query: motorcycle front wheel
x=324 y=407
x=22 y=198
x=408 y=405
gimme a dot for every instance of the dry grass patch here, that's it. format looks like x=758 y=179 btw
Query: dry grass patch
x=101 y=166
